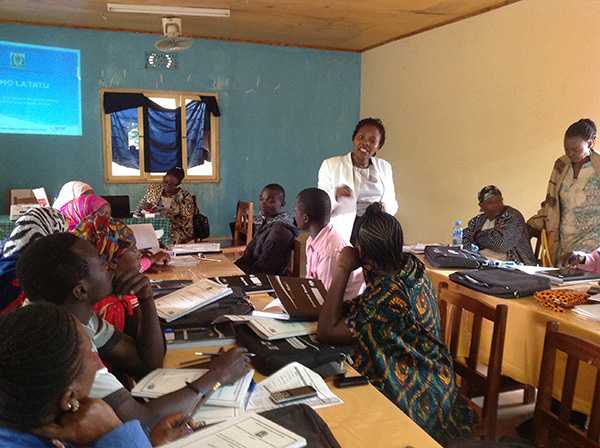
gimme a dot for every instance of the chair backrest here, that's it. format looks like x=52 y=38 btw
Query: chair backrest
x=298 y=258
x=19 y=196
x=550 y=426
x=474 y=382
x=244 y=221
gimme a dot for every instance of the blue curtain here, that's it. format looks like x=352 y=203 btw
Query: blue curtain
x=125 y=146
x=196 y=122
x=162 y=139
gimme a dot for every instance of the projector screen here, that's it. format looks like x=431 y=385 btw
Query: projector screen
x=40 y=90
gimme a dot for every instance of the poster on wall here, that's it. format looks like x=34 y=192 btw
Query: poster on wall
x=40 y=90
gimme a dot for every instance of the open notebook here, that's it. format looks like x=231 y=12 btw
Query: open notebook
x=185 y=300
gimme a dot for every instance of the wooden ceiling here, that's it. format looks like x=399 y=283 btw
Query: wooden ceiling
x=352 y=25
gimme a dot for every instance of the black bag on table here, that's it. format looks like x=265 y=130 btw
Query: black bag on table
x=200 y=225
x=271 y=356
x=304 y=421
x=501 y=282
x=453 y=257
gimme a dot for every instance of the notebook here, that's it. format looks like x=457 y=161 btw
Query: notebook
x=217 y=335
x=160 y=382
x=185 y=300
x=302 y=298
x=250 y=284
x=272 y=329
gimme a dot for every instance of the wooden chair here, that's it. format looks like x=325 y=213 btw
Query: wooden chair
x=549 y=426
x=242 y=231
x=542 y=249
x=474 y=382
x=298 y=258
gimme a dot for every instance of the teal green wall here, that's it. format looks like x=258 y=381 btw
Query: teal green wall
x=284 y=111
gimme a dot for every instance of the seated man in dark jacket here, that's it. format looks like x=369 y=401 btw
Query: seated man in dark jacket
x=499 y=231
x=273 y=240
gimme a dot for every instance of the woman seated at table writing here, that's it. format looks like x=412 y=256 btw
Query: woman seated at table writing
x=395 y=328
x=172 y=201
x=48 y=368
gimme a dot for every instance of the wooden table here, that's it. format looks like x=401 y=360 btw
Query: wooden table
x=366 y=419
x=524 y=342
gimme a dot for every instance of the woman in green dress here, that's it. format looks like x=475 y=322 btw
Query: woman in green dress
x=395 y=328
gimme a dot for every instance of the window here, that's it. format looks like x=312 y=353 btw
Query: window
x=148 y=132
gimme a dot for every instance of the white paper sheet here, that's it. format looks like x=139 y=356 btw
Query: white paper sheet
x=145 y=236
x=246 y=431
x=291 y=376
x=195 y=248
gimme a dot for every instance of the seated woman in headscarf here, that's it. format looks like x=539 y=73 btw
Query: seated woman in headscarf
x=71 y=190
x=115 y=243
x=48 y=368
x=87 y=205
x=395 y=328
x=35 y=223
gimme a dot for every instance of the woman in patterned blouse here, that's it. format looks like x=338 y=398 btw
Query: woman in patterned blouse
x=395 y=327
x=174 y=202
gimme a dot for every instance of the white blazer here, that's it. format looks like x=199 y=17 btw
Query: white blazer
x=338 y=171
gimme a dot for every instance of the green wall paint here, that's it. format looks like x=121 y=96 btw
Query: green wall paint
x=284 y=111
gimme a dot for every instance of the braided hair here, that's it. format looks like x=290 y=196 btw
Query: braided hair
x=584 y=129
x=48 y=269
x=39 y=358
x=380 y=239
x=371 y=122
x=316 y=204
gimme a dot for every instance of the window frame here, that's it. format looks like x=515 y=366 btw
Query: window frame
x=144 y=178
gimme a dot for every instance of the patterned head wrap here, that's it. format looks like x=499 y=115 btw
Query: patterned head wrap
x=69 y=191
x=35 y=223
x=487 y=192
x=111 y=237
x=78 y=209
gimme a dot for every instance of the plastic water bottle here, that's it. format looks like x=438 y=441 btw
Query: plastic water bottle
x=457 y=234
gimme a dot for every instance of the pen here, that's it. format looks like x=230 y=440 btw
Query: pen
x=219 y=354
x=205 y=258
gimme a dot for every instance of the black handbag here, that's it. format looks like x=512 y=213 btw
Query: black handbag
x=305 y=422
x=501 y=282
x=453 y=257
x=201 y=226
x=271 y=356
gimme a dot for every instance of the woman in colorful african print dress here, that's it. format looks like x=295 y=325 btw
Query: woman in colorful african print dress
x=395 y=327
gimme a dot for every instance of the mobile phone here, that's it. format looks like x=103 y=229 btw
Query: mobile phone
x=349 y=381
x=298 y=393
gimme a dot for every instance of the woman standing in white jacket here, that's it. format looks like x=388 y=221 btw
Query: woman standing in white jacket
x=357 y=179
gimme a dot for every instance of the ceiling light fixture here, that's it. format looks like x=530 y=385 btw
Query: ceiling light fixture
x=167 y=10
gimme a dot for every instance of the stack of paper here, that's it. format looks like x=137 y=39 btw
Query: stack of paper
x=289 y=377
x=185 y=300
x=247 y=431
x=588 y=311
x=195 y=248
